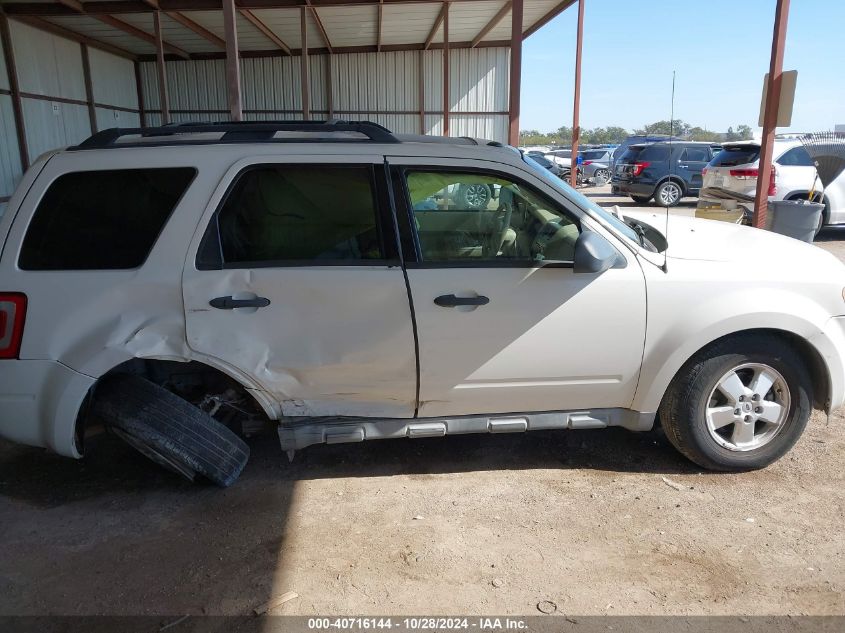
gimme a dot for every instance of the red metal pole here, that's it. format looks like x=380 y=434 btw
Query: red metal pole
x=770 y=116
x=163 y=100
x=304 y=68
x=516 y=72
x=447 y=105
x=576 y=107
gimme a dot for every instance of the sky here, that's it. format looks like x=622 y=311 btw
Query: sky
x=719 y=49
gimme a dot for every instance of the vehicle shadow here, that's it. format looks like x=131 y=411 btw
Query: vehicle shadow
x=111 y=468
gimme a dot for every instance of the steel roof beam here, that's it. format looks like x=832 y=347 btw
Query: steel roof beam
x=493 y=23
x=265 y=30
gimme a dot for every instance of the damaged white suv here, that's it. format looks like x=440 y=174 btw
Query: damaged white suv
x=176 y=284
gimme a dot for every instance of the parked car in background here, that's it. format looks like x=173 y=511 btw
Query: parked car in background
x=665 y=171
x=636 y=139
x=730 y=179
x=552 y=166
x=596 y=164
x=562 y=157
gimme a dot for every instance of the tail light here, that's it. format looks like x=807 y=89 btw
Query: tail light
x=639 y=166
x=744 y=174
x=773 y=187
x=587 y=162
x=703 y=172
x=12 y=316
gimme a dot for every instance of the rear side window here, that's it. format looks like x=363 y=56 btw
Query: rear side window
x=290 y=213
x=102 y=220
x=796 y=157
x=594 y=155
x=733 y=156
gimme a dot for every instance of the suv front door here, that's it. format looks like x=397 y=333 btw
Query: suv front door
x=504 y=324
x=294 y=280
x=691 y=163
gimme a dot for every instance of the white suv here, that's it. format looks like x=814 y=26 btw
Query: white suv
x=730 y=179
x=175 y=284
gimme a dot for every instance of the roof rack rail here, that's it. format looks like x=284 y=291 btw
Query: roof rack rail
x=239 y=132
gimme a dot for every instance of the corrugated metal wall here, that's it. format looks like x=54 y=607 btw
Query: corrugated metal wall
x=381 y=87
x=54 y=100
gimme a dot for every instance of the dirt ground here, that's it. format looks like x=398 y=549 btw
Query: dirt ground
x=596 y=522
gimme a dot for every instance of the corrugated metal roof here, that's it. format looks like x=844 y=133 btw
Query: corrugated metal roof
x=347 y=23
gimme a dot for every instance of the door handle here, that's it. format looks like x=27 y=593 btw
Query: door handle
x=451 y=301
x=228 y=303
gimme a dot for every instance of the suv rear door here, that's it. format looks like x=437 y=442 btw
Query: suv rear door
x=515 y=330
x=294 y=279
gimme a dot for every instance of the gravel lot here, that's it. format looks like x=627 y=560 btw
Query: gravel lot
x=596 y=522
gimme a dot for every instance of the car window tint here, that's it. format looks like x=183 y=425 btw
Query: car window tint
x=696 y=154
x=595 y=155
x=737 y=155
x=482 y=217
x=278 y=213
x=102 y=220
x=655 y=153
x=796 y=157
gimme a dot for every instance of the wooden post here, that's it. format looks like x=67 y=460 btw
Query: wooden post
x=770 y=115
x=516 y=72
x=576 y=106
x=446 y=101
x=17 y=107
x=233 y=63
x=162 y=72
x=89 y=88
x=305 y=72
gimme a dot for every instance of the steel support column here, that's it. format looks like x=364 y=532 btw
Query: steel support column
x=139 y=89
x=17 y=107
x=304 y=70
x=233 y=62
x=89 y=88
x=164 y=102
x=770 y=116
x=576 y=106
x=421 y=88
x=516 y=72
x=446 y=98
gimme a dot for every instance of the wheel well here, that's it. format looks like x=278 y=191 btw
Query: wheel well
x=811 y=356
x=210 y=389
x=676 y=179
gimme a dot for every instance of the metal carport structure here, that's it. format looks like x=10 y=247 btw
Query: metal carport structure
x=72 y=68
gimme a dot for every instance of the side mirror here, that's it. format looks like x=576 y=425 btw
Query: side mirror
x=594 y=254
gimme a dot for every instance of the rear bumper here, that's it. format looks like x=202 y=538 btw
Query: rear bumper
x=39 y=403
x=634 y=188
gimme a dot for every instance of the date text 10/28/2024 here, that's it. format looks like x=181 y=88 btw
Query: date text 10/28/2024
x=418 y=624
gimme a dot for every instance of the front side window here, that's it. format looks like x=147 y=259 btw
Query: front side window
x=287 y=213
x=483 y=217
x=102 y=220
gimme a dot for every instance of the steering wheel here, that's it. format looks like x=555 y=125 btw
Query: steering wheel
x=501 y=222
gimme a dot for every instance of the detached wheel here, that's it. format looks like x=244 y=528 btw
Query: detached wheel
x=668 y=194
x=641 y=199
x=169 y=430
x=739 y=405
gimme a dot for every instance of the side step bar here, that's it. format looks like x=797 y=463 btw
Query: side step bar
x=297 y=433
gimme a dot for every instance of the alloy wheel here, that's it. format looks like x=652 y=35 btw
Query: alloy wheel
x=748 y=407
x=670 y=193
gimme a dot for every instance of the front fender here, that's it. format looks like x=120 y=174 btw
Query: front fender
x=675 y=335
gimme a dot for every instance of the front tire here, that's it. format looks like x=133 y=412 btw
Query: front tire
x=740 y=404
x=169 y=430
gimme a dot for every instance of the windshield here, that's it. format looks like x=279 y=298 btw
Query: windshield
x=583 y=200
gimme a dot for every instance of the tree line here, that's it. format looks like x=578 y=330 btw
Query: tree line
x=615 y=134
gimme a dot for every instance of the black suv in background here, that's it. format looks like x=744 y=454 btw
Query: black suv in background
x=665 y=171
